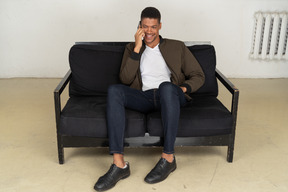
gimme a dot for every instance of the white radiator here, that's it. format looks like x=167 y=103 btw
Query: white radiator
x=270 y=36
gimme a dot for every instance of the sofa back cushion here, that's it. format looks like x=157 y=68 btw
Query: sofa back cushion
x=205 y=55
x=95 y=66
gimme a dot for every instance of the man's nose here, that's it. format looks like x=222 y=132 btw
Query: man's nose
x=149 y=29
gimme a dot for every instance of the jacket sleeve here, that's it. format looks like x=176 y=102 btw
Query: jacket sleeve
x=192 y=70
x=130 y=65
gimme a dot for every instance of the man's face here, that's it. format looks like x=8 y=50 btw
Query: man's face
x=151 y=28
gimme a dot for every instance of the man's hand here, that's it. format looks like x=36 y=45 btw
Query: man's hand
x=138 y=39
x=184 y=89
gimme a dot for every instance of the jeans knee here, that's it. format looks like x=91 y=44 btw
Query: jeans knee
x=171 y=93
x=167 y=87
x=115 y=89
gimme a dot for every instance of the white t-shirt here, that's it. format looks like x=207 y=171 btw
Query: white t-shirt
x=153 y=68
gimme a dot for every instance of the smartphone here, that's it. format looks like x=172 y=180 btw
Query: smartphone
x=139 y=25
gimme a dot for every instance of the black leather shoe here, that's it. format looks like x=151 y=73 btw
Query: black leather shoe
x=161 y=171
x=110 y=179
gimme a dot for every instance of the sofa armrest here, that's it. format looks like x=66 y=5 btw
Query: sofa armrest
x=234 y=108
x=61 y=86
x=232 y=89
x=57 y=95
x=228 y=84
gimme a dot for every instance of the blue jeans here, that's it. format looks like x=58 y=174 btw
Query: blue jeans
x=168 y=99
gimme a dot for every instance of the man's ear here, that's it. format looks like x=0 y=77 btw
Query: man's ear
x=160 y=26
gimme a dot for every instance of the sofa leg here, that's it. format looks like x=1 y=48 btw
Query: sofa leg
x=230 y=153
x=60 y=150
x=61 y=155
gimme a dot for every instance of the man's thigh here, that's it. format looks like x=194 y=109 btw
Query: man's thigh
x=136 y=99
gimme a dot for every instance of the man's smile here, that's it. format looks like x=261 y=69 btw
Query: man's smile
x=149 y=36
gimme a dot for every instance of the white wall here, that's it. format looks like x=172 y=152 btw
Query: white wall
x=36 y=35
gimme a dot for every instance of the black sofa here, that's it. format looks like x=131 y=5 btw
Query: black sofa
x=205 y=121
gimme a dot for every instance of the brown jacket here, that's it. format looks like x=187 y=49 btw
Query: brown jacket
x=185 y=69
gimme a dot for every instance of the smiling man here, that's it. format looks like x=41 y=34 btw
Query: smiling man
x=157 y=74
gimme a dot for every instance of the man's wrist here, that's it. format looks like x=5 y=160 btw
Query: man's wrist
x=137 y=50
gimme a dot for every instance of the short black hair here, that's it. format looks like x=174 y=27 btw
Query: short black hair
x=151 y=12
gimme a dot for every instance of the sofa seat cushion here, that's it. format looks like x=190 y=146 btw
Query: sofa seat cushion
x=203 y=116
x=86 y=116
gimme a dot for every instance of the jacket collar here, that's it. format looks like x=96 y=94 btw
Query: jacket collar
x=161 y=39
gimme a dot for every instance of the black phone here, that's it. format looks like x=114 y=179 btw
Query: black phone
x=139 y=25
